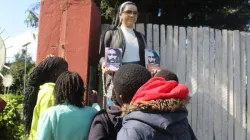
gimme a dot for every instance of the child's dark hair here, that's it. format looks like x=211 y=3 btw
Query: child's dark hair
x=40 y=75
x=128 y=79
x=167 y=75
x=69 y=89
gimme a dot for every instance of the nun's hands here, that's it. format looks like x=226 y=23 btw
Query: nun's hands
x=154 y=72
x=106 y=70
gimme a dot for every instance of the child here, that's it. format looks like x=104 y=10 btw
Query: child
x=167 y=75
x=157 y=111
x=69 y=119
x=39 y=94
x=127 y=80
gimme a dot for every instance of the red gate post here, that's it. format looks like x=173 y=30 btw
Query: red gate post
x=70 y=29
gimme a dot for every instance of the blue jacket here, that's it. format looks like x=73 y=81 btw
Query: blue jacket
x=65 y=122
x=139 y=125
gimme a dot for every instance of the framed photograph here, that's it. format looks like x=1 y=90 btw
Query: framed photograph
x=152 y=59
x=113 y=58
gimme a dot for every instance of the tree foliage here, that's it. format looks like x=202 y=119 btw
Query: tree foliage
x=17 y=71
x=108 y=10
x=220 y=14
x=32 y=15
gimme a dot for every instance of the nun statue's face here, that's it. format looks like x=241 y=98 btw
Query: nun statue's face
x=129 y=15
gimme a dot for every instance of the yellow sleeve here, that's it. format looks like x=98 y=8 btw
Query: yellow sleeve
x=43 y=104
x=34 y=123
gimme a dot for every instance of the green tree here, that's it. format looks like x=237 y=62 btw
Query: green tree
x=32 y=15
x=220 y=14
x=17 y=71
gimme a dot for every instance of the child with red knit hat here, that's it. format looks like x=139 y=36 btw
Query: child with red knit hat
x=157 y=111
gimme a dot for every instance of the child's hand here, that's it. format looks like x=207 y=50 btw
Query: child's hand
x=155 y=71
x=93 y=97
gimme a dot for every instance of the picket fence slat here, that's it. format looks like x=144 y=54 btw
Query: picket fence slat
x=150 y=36
x=194 y=79
x=163 y=47
x=200 y=84
x=181 y=65
x=230 y=87
x=248 y=85
x=156 y=40
x=169 y=44
x=243 y=83
x=206 y=97
x=218 y=114
x=140 y=28
x=224 y=83
x=237 y=109
x=211 y=84
x=189 y=69
x=175 y=49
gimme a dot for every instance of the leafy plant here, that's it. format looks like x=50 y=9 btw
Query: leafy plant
x=108 y=9
x=11 y=125
x=18 y=98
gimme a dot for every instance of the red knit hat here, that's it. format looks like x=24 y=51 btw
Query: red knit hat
x=159 y=88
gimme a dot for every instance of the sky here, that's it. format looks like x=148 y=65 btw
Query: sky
x=12 y=16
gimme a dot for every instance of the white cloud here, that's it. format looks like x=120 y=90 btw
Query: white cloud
x=18 y=41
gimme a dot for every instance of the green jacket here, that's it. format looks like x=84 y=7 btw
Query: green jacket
x=45 y=99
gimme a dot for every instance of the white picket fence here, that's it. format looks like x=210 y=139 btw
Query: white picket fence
x=213 y=64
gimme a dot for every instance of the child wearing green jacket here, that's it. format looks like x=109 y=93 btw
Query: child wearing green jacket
x=39 y=94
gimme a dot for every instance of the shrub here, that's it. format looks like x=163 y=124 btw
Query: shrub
x=18 y=98
x=11 y=125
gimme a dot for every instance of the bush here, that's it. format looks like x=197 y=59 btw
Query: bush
x=11 y=124
x=18 y=98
